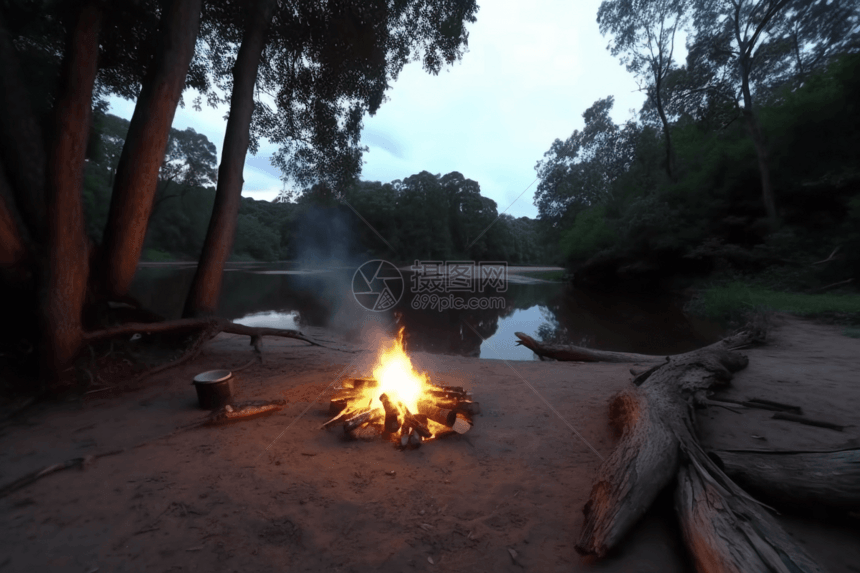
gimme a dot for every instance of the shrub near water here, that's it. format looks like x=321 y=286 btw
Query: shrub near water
x=733 y=299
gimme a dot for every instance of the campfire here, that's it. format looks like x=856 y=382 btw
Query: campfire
x=399 y=404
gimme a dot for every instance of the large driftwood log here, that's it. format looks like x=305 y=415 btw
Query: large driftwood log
x=727 y=533
x=809 y=478
x=656 y=422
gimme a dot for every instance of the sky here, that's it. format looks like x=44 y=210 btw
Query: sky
x=531 y=70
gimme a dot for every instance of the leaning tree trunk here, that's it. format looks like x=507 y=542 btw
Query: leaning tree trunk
x=724 y=529
x=143 y=152
x=206 y=287
x=65 y=268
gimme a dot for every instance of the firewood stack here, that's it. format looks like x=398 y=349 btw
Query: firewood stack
x=442 y=411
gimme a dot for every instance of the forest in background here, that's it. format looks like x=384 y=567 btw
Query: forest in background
x=615 y=206
x=422 y=217
x=742 y=165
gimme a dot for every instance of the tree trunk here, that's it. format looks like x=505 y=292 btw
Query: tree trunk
x=66 y=264
x=206 y=287
x=23 y=153
x=760 y=148
x=143 y=152
x=670 y=154
x=13 y=249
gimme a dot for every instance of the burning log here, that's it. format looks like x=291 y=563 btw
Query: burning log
x=360 y=419
x=367 y=432
x=439 y=415
x=360 y=383
x=414 y=424
x=461 y=424
x=450 y=393
x=392 y=424
x=381 y=404
x=465 y=406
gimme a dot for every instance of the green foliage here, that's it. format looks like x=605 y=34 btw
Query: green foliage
x=729 y=300
x=712 y=218
x=256 y=240
x=156 y=256
x=589 y=234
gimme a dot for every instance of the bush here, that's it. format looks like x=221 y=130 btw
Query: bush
x=156 y=256
x=589 y=234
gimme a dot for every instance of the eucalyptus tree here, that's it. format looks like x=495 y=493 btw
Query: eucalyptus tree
x=341 y=56
x=579 y=172
x=743 y=49
x=644 y=36
x=322 y=67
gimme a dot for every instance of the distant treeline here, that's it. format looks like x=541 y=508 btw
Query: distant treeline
x=423 y=217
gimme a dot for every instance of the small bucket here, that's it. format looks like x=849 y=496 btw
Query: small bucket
x=214 y=388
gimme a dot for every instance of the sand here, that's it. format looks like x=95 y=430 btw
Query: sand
x=277 y=493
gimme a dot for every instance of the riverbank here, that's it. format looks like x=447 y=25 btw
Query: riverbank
x=278 y=492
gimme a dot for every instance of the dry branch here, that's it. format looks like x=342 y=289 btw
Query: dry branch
x=829 y=478
x=237 y=412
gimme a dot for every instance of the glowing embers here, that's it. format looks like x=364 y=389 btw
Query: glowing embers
x=400 y=404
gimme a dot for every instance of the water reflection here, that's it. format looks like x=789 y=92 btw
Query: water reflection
x=272 y=319
x=282 y=296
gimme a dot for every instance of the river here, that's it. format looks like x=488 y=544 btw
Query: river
x=286 y=295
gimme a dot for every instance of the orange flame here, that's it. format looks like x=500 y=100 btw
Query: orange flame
x=396 y=376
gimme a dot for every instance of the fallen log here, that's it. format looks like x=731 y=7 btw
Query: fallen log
x=650 y=418
x=830 y=478
x=580 y=354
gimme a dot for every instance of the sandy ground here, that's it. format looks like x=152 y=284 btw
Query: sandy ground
x=278 y=494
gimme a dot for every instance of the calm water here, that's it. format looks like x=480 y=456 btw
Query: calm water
x=282 y=296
